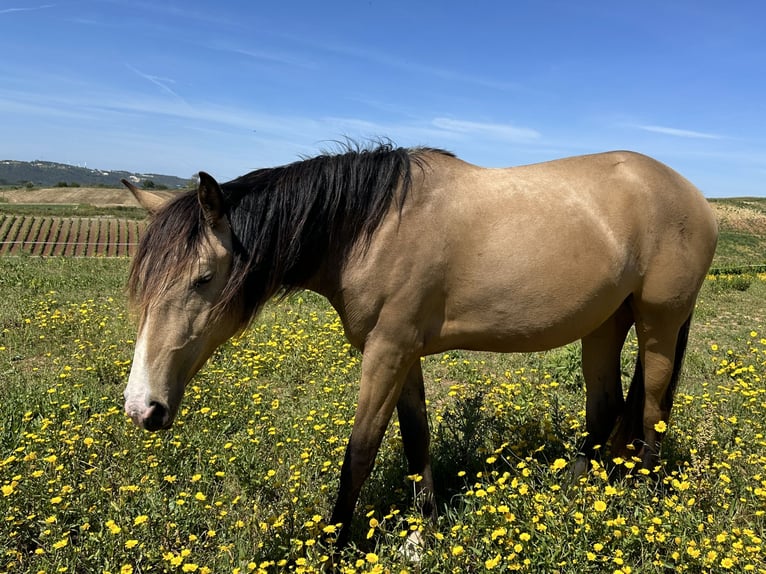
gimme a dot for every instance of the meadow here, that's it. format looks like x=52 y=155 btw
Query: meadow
x=246 y=478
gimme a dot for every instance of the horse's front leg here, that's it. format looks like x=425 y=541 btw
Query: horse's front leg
x=413 y=424
x=384 y=367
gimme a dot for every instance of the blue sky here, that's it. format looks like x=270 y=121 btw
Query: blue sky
x=174 y=87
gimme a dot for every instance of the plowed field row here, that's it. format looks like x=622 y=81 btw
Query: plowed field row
x=69 y=236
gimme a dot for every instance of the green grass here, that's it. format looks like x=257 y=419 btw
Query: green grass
x=72 y=210
x=742 y=234
x=246 y=477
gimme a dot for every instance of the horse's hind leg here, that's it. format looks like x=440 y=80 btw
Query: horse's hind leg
x=662 y=341
x=601 y=351
x=413 y=424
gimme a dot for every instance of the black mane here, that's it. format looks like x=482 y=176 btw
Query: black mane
x=286 y=221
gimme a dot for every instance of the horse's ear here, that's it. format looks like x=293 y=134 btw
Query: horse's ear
x=210 y=198
x=149 y=201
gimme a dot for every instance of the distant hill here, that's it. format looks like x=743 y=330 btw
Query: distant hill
x=51 y=174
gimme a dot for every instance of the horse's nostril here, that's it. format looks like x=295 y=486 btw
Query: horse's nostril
x=157 y=417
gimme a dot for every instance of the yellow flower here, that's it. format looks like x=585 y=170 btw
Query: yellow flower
x=661 y=426
x=131 y=544
x=140 y=520
x=371 y=557
x=599 y=506
x=492 y=562
x=113 y=528
x=61 y=543
x=126 y=569
x=558 y=464
x=457 y=550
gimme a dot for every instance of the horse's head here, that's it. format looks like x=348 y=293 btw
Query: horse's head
x=177 y=282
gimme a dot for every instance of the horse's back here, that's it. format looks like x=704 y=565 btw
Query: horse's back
x=611 y=209
x=535 y=256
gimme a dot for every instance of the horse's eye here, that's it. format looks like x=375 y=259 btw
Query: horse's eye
x=202 y=279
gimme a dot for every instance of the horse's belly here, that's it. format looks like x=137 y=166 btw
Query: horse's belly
x=509 y=321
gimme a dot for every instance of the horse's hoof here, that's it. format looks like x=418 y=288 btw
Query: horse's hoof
x=412 y=548
x=579 y=469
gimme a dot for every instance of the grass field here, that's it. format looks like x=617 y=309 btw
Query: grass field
x=244 y=480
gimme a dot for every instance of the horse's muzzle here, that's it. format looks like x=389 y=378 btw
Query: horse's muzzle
x=155 y=417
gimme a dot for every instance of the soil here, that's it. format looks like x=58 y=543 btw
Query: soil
x=100 y=197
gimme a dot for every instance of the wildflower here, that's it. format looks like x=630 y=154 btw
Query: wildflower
x=61 y=543
x=113 y=528
x=140 y=520
x=599 y=506
x=457 y=550
x=131 y=543
x=498 y=532
x=661 y=427
x=126 y=569
x=371 y=557
x=558 y=464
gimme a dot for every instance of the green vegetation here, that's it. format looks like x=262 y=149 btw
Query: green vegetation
x=742 y=228
x=71 y=210
x=246 y=478
x=50 y=174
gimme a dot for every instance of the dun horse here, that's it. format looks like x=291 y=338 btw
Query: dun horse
x=420 y=252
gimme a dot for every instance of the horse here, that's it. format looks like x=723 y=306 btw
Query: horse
x=420 y=252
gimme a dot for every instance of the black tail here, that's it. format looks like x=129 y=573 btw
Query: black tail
x=630 y=427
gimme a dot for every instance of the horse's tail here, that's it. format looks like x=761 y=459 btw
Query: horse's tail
x=630 y=427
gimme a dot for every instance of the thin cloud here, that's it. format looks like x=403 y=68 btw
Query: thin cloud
x=501 y=131
x=30 y=9
x=273 y=57
x=679 y=132
x=161 y=83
